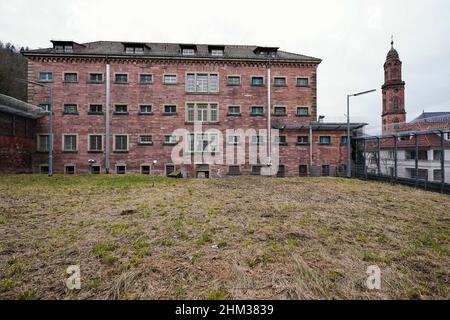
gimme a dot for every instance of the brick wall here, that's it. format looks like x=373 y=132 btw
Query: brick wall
x=158 y=94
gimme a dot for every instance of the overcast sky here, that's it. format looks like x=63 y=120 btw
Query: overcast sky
x=352 y=37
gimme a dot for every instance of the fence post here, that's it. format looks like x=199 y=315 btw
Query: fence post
x=378 y=157
x=365 y=159
x=416 y=158
x=442 y=162
x=395 y=158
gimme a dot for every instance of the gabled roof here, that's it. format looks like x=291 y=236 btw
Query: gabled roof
x=116 y=48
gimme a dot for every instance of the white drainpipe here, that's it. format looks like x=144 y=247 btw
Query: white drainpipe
x=269 y=125
x=107 y=121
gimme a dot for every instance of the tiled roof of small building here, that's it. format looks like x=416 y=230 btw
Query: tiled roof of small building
x=117 y=48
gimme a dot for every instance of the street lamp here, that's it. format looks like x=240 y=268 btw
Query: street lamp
x=349 y=161
x=50 y=136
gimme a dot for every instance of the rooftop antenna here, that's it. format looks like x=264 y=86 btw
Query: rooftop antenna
x=392 y=41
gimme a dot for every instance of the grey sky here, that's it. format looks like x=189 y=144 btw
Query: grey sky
x=352 y=37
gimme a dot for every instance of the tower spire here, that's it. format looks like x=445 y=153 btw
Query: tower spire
x=392 y=41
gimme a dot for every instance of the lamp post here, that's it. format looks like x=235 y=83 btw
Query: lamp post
x=50 y=136
x=349 y=161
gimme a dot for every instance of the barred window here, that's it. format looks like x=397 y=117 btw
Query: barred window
x=170 y=78
x=70 y=142
x=302 y=82
x=45 y=76
x=145 y=108
x=170 y=139
x=95 y=108
x=257 y=81
x=280 y=111
x=145 y=139
x=256 y=170
x=257 y=111
x=70 y=109
x=234 y=170
x=70 y=77
x=121 y=78
x=145 y=78
x=233 y=80
x=325 y=140
x=279 y=82
x=234 y=110
x=302 y=111
x=121 y=108
x=217 y=52
x=203 y=142
x=188 y=52
x=95 y=77
x=95 y=142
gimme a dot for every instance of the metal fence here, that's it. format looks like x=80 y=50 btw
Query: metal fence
x=418 y=159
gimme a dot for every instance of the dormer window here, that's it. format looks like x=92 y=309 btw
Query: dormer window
x=188 y=50
x=266 y=51
x=134 y=48
x=63 y=46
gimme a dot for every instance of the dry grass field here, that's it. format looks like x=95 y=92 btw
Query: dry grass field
x=235 y=238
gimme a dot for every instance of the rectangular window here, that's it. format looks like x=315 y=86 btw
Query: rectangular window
x=121 y=78
x=411 y=154
x=70 y=108
x=145 y=139
x=437 y=175
x=257 y=111
x=257 y=81
x=279 y=82
x=43 y=142
x=234 y=140
x=280 y=111
x=203 y=142
x=45 y=76
x=234 y=110
x=170 y=139
x=256 y=170
x=217 y=52
x=96 y=77
x=188 y=52
x=145 y=109
x=43 y=168
x=69 y=142
x=202 y=83
x=325 y=170
x=45 y=107
x=303 y=170
x=280 y=139
x=70 y=77
x=145 y=78
x=281 y=171
x=234 y=170
x=257 y=140
x=134 y=49
x=69 y=169
x=95 y=109
x=120 y=109
x=324 y=140
x=170 y=109
x=95 y=142
x=202 y=112
x=121 y=143
x=233 y=80
x=145 y=169
x=170 y=79
x=302 y=111
x=121 y=169
x=302 y=139
x=302 y=82
x=344 y=140
x=95 y=169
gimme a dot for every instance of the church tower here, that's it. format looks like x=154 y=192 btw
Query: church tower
x=393 y=93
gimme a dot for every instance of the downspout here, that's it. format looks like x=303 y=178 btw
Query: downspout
x=107 y=117
x=310 y=148
x=269 y=126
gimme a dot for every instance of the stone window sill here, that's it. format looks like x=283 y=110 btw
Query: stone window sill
x=120 y=113
x=168 y=114
x=234 y=115
x=120 y=151
x=145 y=113
x=95 y=113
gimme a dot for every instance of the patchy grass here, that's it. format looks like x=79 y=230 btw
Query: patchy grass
x=140 y=237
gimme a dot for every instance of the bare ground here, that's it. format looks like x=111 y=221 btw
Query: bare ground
x=235 y=238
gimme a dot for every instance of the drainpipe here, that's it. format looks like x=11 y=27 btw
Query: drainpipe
x=310 y=148
x=269 y=126
x=107 y=118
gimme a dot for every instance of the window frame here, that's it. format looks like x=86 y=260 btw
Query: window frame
x=196 y=74
x=303 y=143
x=297 y=113
x=234 y=174
x=257 y=85
x=231 y=113
x=145 y=105
x=121 y=165
x=209 y=111
x=170 y=143
x=121 y=74
x=234 y=84
x=38 y=142
x=115 y=145
x=323 y=143
x=284 y=114
x=90 y=112
x=70 y=113
x=252 y=114
x=170 y=75
x=89 y=143
x=279 y=85
x=115 y=112
x=68 y=165
x=45 y=80
x=70 y=81
x=302 y=86
x=146 y=74
x=63 y=146
x=165 y=113
x=95 y=73
x=145 y=143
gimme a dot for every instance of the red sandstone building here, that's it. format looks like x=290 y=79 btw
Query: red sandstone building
x=118 y=103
